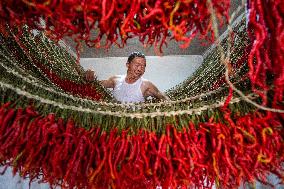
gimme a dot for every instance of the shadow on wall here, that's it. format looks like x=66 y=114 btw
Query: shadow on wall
x=164 y=71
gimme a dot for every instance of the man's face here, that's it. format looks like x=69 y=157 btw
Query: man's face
x=136 y=67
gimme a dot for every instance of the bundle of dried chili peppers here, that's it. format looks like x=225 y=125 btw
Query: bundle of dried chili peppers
x=266 y=61
x=115 y=21
x=203 y=155
x=49 y=59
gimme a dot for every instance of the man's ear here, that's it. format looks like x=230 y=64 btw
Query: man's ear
x=127 y=64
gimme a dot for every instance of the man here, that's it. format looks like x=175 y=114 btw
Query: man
x=131 y=87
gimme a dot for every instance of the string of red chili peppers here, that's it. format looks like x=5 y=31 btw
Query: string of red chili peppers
x=153 y=22
x=245 y=149
x=78 y=88
x=266 y=29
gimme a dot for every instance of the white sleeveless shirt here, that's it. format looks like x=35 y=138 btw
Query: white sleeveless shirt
x=126 y=93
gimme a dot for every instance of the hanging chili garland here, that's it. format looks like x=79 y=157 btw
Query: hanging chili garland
x=46 y=59
x=266 y=29
x=210 y=75
x=198 y=155
x=93 y=21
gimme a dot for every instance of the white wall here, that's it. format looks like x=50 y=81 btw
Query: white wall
x=165 y=71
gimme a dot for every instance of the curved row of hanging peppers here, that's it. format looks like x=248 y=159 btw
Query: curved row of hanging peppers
x=115 y=21
x=211 y=74
x=202 y=155
x=39 y=55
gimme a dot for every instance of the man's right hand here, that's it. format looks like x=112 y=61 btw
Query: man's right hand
x=90 y=75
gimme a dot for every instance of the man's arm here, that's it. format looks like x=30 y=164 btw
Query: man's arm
x=152 y=90
x=109 y=83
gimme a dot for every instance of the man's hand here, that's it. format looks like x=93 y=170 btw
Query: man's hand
x=151 y=90
x=90 y=75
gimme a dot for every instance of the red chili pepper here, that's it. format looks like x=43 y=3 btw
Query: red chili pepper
x=168 y=134
x=24 y=127
x=144 y=149
x=179 y=142
x=267 y=130
x=126 y=148
x=31 y=111
x=133 y=150
x=13 y=137
x=122 y=145
x=157 y=161
x=5 y=106
x=8 y=117
x=14 y=125
x=82 y=154
x=228 y=160
x=110 y=162
x=240 y=141
x=101 y=164
x=138 y=153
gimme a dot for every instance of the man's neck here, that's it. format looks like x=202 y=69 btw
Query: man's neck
x=130 y=79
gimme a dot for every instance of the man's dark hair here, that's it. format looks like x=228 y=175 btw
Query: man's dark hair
x=134 y=55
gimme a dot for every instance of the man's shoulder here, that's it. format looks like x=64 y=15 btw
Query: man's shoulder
x=146 y=82
x=115 y=77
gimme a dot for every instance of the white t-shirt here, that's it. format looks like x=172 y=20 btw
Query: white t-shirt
x=126 y=93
